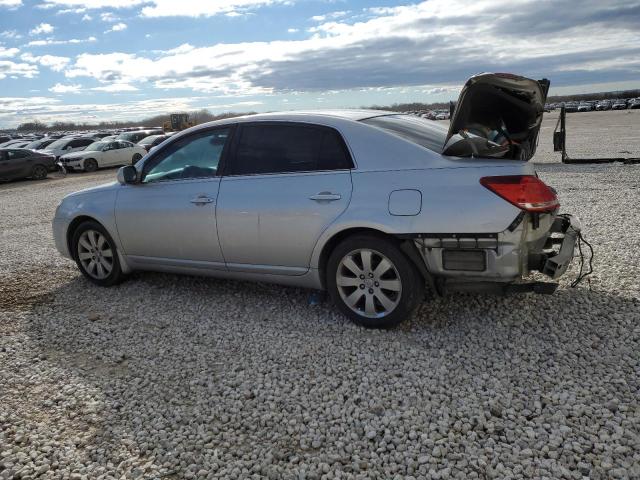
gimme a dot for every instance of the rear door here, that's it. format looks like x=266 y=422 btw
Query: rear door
x=111 y=155
x=284 y=184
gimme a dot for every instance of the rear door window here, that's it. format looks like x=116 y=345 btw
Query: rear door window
x=265 y=148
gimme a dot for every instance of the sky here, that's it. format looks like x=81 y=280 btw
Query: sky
x=93 y=60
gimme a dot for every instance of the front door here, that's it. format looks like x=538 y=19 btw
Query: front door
x=284 y=185
x=169 y=217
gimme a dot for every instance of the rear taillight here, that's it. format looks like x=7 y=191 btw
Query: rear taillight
x=524 y=191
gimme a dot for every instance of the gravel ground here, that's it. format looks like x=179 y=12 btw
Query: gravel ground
x=180 y=377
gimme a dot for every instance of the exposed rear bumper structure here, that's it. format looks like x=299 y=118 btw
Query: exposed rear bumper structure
x=564 y=232
x=494 y=263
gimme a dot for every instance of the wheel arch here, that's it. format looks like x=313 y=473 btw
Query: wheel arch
x=407 y=247
x=73 y=226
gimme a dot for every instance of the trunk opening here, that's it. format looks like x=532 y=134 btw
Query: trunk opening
x=497 y=116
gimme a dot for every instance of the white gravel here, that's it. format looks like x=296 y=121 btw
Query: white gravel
x=180 y=377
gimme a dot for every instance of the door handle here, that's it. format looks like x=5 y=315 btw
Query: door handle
x=326 y=196
x=201 y=200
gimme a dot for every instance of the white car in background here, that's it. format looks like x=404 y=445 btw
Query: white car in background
x=66 y=145
x=103 y=154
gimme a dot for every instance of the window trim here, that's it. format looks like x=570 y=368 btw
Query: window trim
x=151 y=161
x=235 y=140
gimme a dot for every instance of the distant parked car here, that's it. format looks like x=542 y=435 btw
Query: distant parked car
x=571 y=107
x=634 y=103
x=442 y=116
x=103 y=154
x=11 y=142
x=603 y=105
x=136 y=136
x=585 y=107
x=39 y=144
x=151 y=141
x=22 y=163
x=619 y=105
x=67 y=145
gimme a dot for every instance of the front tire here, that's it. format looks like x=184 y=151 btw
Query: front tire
x=135 y=158
x=96 y=255
x=372 y=282
x=90 y=165
x=39 y=172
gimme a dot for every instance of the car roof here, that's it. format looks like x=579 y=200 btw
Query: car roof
x=324 y=116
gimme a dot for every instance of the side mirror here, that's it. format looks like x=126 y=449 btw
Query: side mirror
x=127 y=175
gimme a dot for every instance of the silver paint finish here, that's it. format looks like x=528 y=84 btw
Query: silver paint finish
x=271 y=223
x=274 y=227
x=170 y=220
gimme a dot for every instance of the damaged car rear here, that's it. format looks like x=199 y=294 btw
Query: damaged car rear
x=371 y=206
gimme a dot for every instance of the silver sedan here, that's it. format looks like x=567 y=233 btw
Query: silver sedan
x=372 y=206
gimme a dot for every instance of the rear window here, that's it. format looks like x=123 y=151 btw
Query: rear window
x=425 y=133
x=283 y=148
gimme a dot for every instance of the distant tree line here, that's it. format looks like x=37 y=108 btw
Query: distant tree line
x=200 y=116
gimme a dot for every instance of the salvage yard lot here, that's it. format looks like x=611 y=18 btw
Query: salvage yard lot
x=185 y=377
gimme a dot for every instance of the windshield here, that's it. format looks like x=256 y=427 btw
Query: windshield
x=97 y=146
x=58 y=144
x=425 y=133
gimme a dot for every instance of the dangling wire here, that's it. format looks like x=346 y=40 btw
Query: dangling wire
x=581 y=276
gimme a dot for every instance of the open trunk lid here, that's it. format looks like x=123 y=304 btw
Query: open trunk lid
x=498 y=115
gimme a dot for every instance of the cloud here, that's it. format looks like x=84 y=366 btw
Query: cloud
x=118 y=27
x=292 y=30
x=53 y=62
x=428 y=43
x=8 y=52
x=60 y=88
x=45 y=28
x=50 y=41
x=10 y=34
x=10 y=3
x=92 y=4
x=14 y=110
x=116 y=87
x=329 y=16
x=108 y=17
x=86 y=17
x=172 y=8
x=17 y=69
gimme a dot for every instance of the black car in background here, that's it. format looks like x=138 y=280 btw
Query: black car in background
x=22 y=163
x=137 y=135
x=151 y=141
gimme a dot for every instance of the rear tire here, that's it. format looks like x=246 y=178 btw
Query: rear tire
x=90 y=165
x=39 y=172
x=96 y=254
x=372 y=282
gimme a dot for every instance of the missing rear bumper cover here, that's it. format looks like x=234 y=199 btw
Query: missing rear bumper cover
x=464 y=260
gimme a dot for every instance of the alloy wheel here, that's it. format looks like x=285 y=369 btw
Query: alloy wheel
x=368 y=283
x=95 y=254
